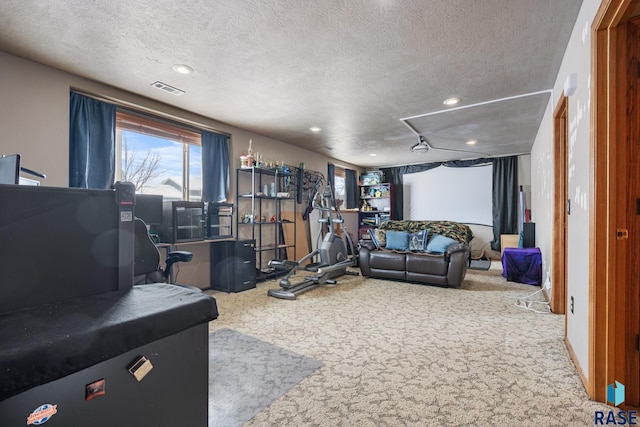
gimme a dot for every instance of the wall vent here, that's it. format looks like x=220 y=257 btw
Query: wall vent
x=165 y=87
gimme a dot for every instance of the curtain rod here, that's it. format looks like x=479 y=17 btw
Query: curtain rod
x=136 y=108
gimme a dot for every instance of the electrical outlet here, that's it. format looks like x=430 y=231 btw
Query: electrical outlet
x=571 y=304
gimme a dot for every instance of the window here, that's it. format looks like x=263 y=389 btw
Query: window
x=339 y=186
x=159 y=157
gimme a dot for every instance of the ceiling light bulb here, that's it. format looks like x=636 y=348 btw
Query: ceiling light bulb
x=315 y=129
x=372 y=154
x=451 y=101
x=472 y=142
x=182 y=69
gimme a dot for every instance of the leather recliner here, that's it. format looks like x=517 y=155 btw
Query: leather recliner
x=447 y=269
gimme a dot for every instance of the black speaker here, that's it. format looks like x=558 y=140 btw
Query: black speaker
x=529 y=235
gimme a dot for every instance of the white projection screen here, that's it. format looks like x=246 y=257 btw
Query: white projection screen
x=452 y=194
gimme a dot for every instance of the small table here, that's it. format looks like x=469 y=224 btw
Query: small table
x=522 y=265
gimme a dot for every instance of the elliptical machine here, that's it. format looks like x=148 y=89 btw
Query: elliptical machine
x=334 y=255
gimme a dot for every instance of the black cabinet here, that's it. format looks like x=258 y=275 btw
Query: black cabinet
x=233 y=265
x=219 y=223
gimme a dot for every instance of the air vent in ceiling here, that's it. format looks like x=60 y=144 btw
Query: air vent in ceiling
x=165 y=87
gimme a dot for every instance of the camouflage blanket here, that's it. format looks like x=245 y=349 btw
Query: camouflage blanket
x=454 y=230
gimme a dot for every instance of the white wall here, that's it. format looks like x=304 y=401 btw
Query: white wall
x=577 y=59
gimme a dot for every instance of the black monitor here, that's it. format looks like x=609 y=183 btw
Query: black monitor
x=10 y=169
x=149 y=208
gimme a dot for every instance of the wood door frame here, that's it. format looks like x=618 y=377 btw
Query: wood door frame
x=608 y=256
x=560 y=196
x=629 y=215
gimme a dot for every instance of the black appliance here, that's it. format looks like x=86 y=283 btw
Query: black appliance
x=219 y=223
x=181 y=222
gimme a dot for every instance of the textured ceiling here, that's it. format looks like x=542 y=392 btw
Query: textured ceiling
x=354 y=68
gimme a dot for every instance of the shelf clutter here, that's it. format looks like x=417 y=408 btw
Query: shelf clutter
x=375 y=203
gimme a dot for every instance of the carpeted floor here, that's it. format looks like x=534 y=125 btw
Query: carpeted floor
x=397 y=354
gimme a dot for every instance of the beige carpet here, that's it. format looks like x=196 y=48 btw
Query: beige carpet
x=399 y=354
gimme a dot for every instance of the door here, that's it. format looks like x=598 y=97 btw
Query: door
x=560 y=208
x=633 y=213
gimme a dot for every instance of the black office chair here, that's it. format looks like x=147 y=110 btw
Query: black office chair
x=146 y=267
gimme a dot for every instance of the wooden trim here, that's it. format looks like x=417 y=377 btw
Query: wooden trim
x=612 y=13
x=608 y=197
x=572 y=355
x=546 y=295
x=619 y=181
x=599 y=222
x=560 y=196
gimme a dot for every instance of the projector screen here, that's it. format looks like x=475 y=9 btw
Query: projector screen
x=452 y=194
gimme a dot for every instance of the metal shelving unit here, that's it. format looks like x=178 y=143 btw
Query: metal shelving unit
x=262 y=195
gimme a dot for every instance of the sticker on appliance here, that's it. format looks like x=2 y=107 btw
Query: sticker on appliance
x=42 y=414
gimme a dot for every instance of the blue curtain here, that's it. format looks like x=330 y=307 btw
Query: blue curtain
x=505 y=198
x=331 y=175
x=92 y=131
x=215 y=166
x=351 y=188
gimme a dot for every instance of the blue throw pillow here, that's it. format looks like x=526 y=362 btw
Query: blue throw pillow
x=397 y=240
x=439 y=244
x=418 y=240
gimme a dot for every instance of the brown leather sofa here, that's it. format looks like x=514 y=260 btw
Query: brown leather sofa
x=446 y=269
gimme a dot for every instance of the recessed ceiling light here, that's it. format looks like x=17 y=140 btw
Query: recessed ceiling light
x=315 y=129
x=372 y=154
x=451 y=101
x=182 y=69
x=472 y=142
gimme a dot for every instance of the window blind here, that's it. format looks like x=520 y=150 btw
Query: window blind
x=156 y=127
